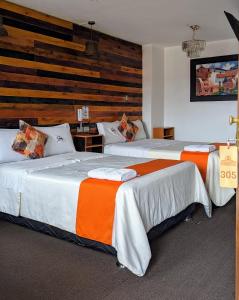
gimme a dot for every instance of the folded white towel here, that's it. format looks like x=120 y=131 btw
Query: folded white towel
x=112 y=174
x=200 y=148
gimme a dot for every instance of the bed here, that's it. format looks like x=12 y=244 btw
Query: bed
x=44 y=195
x=46 y=191
x=171 y=149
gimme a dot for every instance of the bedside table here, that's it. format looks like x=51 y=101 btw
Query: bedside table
x=163 y=133
x=88 y=142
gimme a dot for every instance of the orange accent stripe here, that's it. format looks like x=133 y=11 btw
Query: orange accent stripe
x=96 y=202
x=199 y=158
x=153 y=166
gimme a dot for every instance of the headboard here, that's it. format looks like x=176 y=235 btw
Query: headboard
x=13 y=123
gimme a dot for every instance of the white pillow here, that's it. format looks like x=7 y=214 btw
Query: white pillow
x=7 y=137
x=140 y=135
x=110 y=132
x=59 y=139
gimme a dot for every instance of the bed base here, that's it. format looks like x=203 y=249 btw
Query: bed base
x=73 y=238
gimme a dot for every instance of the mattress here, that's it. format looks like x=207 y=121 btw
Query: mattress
x=171 y=149
x=49 y=193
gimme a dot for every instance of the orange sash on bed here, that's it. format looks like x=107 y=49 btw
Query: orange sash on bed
x=96 y=202
x=199 y=158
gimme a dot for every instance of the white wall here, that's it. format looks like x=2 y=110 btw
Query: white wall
x=153 y=86
x=195 y=121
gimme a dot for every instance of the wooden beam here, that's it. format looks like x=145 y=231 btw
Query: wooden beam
x=34 y=14
x=15 y=62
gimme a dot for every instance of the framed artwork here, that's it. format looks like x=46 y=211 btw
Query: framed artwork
x=214 y=78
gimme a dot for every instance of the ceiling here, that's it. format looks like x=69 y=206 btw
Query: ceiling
x=146 y=21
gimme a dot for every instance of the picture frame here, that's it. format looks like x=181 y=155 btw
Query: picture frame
x=214 y=78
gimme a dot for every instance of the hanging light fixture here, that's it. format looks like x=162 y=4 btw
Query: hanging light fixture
x=3 y=31
x=91 y=46
x=194 y=47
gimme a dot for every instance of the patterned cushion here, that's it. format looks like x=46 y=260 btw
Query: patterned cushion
x=127 y=128
x=29 y=141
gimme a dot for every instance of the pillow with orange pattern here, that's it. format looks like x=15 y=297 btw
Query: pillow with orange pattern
x=29 y=141
x=128 y=129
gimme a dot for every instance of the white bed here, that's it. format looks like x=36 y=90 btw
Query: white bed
x=171 y=149
x=46 y=190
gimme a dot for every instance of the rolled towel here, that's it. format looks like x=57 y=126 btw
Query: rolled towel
x=200 y=148
x=113 y=174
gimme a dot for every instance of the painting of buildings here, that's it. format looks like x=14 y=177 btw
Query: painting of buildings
x=217 y=79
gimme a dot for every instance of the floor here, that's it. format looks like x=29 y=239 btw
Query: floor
x=194 y=260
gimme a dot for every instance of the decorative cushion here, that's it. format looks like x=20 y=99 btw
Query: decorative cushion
x=128 y=129
x=29 y=141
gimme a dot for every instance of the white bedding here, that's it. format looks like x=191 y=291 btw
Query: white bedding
x=171 y=149
x=13 y=175
x=10 y=201
x=49 y=194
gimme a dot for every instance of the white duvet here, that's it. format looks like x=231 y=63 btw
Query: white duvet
x=171 y=149
x=49 y=194
x=13 y=175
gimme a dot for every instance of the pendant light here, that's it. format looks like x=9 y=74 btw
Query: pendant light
x=3 y=31
x=91 y=46
x=194 y=47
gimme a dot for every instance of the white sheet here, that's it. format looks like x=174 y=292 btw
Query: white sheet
x=10 y=202
x=200 y=148
x=13 y=175
x=50 y=194
x=171 y=149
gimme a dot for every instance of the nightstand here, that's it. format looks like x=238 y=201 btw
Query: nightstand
x=88 y=142
x=163 y=133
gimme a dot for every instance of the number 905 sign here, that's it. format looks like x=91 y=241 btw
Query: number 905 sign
x=228 y=167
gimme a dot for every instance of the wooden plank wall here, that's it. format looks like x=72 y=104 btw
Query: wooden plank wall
x=45 y=74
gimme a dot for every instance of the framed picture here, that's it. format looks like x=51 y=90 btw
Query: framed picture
x=214 y=78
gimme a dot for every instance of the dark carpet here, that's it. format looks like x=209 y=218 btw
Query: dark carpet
x=194 y=260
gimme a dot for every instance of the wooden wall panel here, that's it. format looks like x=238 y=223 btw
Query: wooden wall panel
x=45 y=74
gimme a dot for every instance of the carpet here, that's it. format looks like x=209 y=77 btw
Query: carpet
x=193 y=260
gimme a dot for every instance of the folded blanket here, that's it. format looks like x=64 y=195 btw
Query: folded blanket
x=200 y=148
x=112 y=174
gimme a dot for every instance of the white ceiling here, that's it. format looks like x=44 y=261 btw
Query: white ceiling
x=146 y=21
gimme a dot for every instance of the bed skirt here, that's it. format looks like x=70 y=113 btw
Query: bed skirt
x=71 y=237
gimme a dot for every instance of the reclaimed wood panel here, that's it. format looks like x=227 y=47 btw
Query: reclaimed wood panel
x=16 y=33
x=45 y=74
x=13 y=123
x=34 y=14
x=62 y=95
x=32 y=79
x=46 y=67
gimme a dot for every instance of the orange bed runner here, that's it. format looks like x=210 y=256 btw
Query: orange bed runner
x=199 y=158
x=96 y=202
